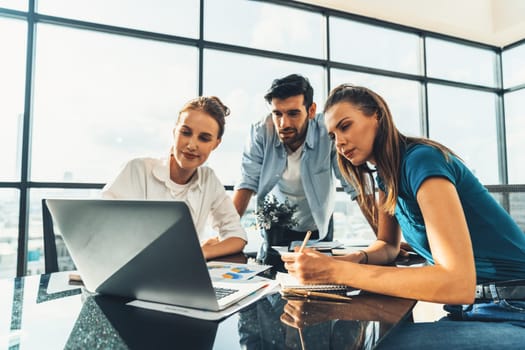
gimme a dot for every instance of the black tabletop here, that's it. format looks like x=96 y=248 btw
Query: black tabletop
x=45 y=312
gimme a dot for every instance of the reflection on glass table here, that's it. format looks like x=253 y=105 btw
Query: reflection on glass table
x=277 y=322
x=46 y=312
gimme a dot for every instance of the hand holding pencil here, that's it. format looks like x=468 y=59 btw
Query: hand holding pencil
x=305 y=241
x=309 y=265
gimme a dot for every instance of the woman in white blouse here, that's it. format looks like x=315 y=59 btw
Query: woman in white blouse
x=198 y=131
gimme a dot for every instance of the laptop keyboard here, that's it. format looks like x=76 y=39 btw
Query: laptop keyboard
x=223 y=292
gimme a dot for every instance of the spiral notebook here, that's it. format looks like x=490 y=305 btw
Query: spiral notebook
x=287 y=281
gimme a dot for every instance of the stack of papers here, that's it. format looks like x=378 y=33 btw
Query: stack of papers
x=287 y=281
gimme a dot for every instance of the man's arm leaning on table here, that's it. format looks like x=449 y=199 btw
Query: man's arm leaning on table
x=241 y=197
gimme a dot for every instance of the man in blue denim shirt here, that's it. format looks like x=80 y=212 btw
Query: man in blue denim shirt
x=289 y=155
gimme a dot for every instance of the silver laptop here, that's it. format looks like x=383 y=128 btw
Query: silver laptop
x=147 y=250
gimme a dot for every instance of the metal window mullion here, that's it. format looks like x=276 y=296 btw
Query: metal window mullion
x=328 y=56
x=424 y=121
x=200 y=46
x=23 y=217
x=500 y=121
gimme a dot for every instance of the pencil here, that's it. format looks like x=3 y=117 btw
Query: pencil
x=301 y=338
x=314 y=294
x=327 y=296
x=306 y=238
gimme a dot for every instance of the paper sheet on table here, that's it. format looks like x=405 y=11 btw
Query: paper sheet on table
x=272 y=287
x=226 y=271
x=282 y=250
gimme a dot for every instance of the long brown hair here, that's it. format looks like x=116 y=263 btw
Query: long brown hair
x=387 y=148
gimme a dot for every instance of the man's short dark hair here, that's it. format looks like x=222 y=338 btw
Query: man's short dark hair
x=291 y=85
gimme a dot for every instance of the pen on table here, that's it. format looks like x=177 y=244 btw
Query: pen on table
x=314 y=294
x=306 y=238
x=75 y=279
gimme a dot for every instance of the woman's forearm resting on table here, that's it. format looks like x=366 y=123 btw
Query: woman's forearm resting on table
x=429 y=283
x=214 y=248
x=436 y=283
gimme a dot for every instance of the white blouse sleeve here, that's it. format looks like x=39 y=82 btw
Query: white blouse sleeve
x=225 y=219
x=129 y=183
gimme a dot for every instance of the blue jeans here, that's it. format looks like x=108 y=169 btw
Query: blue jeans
x=511 y=311
x=484 y=325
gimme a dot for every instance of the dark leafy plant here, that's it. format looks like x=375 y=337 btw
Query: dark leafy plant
x=273 y=214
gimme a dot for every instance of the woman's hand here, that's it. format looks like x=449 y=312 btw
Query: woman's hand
x=310 y=266
x=210 y=241
x=214 y=247
x=302 y=313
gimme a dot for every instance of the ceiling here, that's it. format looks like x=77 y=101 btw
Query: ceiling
x=493 y=22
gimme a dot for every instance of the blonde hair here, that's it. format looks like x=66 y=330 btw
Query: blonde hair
x=211 y=105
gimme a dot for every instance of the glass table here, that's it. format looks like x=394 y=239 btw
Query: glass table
x=46 y=312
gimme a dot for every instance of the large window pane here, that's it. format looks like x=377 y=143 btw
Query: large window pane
x=451 y=61
x=243 y=92
x=12 y=84
x=9 y=204
x=515 y=129
x=14 y=4
x=402 y=96
x=101 y=99
x=163 y=16
x=35 y=244
x=265 y=26
x=373 y=46
x=350 y=225
x=465 y=121
x=513 y=67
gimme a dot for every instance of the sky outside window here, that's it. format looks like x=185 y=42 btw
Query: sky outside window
x=20 y=5
x=163 y=16
x=9 y=199
x=265 y=26
x=465 y=121
x=513 y=66
x=402 y=96
x=451 y=61
x=12 y=90
x=102 y=99
x=515 y=128
x=372 y=46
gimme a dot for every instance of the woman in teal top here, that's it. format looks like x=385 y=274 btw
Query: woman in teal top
x=497 y=241
x=427 y=194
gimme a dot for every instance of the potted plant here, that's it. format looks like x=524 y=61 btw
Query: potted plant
x=274 y=218
x=274 y=214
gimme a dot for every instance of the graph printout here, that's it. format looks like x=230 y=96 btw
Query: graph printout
x=231 y=271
